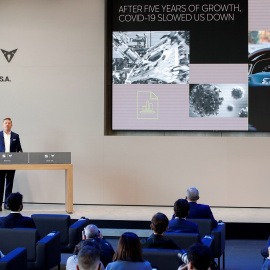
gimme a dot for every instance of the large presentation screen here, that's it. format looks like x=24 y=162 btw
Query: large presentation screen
x=188 y=65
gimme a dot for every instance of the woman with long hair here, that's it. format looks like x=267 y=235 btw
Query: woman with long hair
x=128 y=254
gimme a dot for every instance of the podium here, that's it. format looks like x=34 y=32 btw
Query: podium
x=43 y=161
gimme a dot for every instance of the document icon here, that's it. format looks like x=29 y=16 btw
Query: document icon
x=147 y=105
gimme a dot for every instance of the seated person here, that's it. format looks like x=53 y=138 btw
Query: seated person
x=198 y=210
x=72 y=261
x=93 y=234
x=159 y=225
x=265 y=251
x=128 y=254
x=89 y=259
x=15 y=219
x=199 y=257
x=180 y=224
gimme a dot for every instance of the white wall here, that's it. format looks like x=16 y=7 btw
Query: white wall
x=56 y=101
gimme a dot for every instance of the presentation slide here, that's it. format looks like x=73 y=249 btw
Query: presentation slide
x=188 y=65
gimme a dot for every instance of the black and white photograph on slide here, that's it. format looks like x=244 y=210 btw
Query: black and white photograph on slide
x=157 y=57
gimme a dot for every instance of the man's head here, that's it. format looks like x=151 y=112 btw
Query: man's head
x=91 y=231
x=192 y=194
x=181 y=208
x=199 y=257
x=159 y=223
x=14 y=201
x=89 y=258
x=7 y=125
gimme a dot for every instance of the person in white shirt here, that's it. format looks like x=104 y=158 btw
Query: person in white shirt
x=89 y=259
x=9 y=142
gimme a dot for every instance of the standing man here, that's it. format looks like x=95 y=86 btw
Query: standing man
x=9 y=142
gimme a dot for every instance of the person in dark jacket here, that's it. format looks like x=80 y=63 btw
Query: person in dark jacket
x=15 y=219
x=93 y=234
x=180 y=224
x=197 y=210
x=159 y=226
x=9 y=142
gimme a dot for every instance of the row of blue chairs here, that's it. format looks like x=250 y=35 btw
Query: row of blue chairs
x=55 y=234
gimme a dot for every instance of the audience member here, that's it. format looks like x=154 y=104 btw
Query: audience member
x=128 y=254
x=198 y=210
x=265 y=251
x=180 y=224
x=15 y=219
x=89 y=259
x=93 y=234
x=72 y=261
x=266 y=263
x=199 y=257
x=159 y=225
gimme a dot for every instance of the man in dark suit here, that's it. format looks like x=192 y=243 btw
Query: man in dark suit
x=15 y=219
x=159 y=225
x=9 y=142
x=198 y=210
x=92 y=234
x=180 y=224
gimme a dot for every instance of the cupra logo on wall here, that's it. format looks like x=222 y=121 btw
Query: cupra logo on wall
x=9 y=55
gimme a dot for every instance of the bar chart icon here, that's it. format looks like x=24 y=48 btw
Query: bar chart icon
x=147 y=105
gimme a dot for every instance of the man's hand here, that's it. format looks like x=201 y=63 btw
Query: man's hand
x=83 y=235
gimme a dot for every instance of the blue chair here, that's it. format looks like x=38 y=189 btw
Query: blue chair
x=42 y=254
x=70 y=234
x=162 y=259
x=206 y=228
x=205 y=225
x=183 y=240
x=16 y=259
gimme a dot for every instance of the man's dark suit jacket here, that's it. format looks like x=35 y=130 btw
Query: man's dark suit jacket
x=106 y=250
x=201 y=211
x=158 y=241
x=15 y=145
x=180 y=225
x=16 y=220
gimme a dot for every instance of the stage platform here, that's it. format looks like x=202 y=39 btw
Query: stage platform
x=143 y=213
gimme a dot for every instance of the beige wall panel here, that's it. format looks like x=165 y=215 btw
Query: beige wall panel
x=248 y=171
x=57 y=90
x=157 y=170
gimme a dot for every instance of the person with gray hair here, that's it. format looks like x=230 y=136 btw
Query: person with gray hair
x=198 y=210
x=92 y=231
x=192 y=194
x=93 y=234
x=89 y=259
